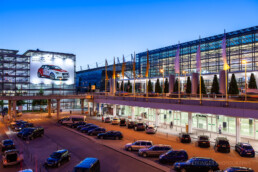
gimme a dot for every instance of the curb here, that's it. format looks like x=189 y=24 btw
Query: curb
x=164 y=169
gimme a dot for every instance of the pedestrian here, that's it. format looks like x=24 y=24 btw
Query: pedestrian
x=171 y=124
x=219 y=129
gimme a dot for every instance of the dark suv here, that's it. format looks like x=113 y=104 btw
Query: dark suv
x=131 y=124
x=77 y=124
x=197 y=165
x=245 y=149
x=57 y=158
x=173 y=156
x=222 y=145
x=7 y=145
x=31 y=133
x=122 y=122
x=96 y=131
x=203 y=141
x=155 y=150
x=139 y=126
x=184 y=138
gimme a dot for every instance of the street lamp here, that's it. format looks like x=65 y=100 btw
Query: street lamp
x=245 y=62
x=162 y=71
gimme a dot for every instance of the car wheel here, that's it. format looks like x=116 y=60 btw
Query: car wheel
x=52 y=76
x=144 y=155
x=183 y=170
x=101 y=137
x=129 y=149
x=58 y=164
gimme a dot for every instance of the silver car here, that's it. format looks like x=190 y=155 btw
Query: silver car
x=139 y=144
x=155 y=150
x=151 y=129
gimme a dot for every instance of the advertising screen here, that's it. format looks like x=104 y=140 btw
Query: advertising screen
x=49 y=69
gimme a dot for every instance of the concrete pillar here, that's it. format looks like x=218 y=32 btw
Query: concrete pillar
x=111 y=85
x=14 y=108
x=88 y=107
x=157 y=118
x=49 y=107
x=171 y=83
x=9 y=108
x=133 y=113
x=195 y=82
x=82 y=106
x=238 y=123
x=190 y=122
x=222 y=82
x=114 y=110
x=57 y=108
x=100 y=109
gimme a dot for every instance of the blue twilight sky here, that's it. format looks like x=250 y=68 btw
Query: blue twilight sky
x=99 y=29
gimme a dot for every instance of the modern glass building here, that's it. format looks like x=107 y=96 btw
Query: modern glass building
x=241 y=45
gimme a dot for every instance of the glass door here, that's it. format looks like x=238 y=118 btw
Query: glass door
x=212 y=123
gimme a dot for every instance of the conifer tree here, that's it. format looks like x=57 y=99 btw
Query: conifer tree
x=215 y=85
x=252 y=82
x=203 y=87
x=166 y=86
x=188 y=85
x=176 y=86
x=158 y=87
x=150 y=86
x=233 y=88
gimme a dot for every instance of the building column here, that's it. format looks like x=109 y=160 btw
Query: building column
x=132 y=112
x=114 y=110
x=100 y=109
x=171 y=83
x=222 y=82
x=82 y=106
x=89 y=108
x=57 y=108
x=49 y=107
x=195 y=82
x=238 y=127
x=9 y=109
x=190 y=122
x=157 y=118
x=14 y=108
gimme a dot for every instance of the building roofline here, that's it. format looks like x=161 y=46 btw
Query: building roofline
x=16 y=51
x=28 y=51
x=202 y=40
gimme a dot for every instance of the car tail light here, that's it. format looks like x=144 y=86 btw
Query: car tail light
x=5 y=161
x=229 y=146
x=218 y=145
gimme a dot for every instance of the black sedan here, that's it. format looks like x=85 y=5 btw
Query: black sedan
x=77 y=124
x=111 y=135
x=57 y=158
x=96 y=131
x=7 y=145
x=82 y=126
x=86 y=129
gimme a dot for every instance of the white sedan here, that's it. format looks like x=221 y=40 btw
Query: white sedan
x=151 y=129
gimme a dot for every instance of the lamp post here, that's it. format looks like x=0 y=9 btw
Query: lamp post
x=162 y=71
x=244 y=62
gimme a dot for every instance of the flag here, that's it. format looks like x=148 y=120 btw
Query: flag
x=198 y=59
x=224 y=52
x=106 y=64
x=134 y=66
x=114 y=69
x=177 y=65
x=123 y=67
x=148 y=65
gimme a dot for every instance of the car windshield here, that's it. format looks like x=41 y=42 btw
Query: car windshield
x=54 y=67
x=248 y=147
x=55 y=155
x=8 y=142
x=185 y=135
x=222 y=142
x=203 y=138
x=140 y=124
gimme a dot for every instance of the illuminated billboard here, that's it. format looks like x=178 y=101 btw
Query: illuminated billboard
x=49 y=69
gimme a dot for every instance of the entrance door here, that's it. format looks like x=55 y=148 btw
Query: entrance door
x=212 y=123
x=256 y=129
x=176 y=118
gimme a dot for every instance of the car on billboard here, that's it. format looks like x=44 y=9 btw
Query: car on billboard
x=53 y=72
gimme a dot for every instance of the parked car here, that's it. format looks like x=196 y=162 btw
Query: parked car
x=57 y=158
x=110 y=135
x=26 y=170
x=52 y=72
x=60 y=121
x=77 y=124
x=151 y=129
x=82 y=126
x=203 y=141
x=122 y=122
x=31 y=133
x=107 y=120
x=237 y=169
x=245 y=149
x=131 y=124
x=197 y=165
x=115 y=121
x=88 y=165
x=19 y=114
x=11 y=157
x=139 y=126
x=17 y=124
x=22 y=126
x=184 y=138
x=139 y=144
x=96 y=131
x=86 y=129
x=155 y=150
x=222 y=145
x=173 y=156
x=7 y=145
x=74 y=119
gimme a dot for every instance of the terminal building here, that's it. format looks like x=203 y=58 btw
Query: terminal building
x=240 y=45
x=35 y=70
